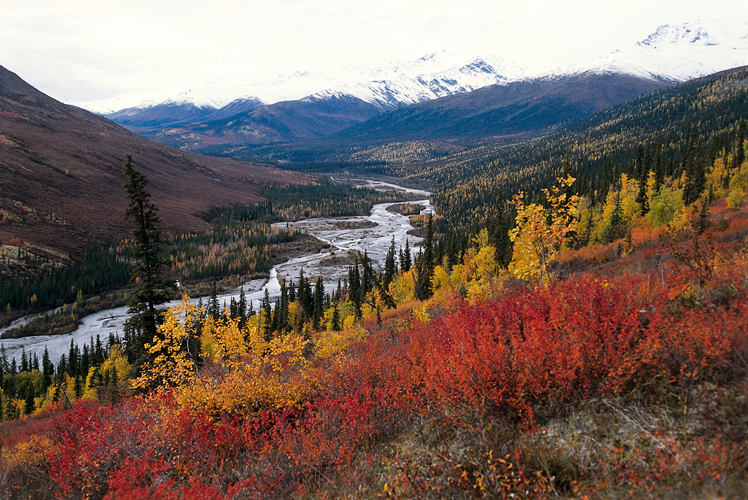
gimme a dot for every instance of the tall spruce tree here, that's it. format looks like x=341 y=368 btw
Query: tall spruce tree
x=426 y=262
x=694 y=168
x=390 y=267
x=319 y=291
x=151 y=287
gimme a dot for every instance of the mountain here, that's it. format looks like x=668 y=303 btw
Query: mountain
x=677 y=53
x=191 y=123
x=172 y=113
x=509 y=111
x=517 y=109
x=435 y=75
x=506 y=113
x=306 y=118
x=61 y=175
x=349 y=97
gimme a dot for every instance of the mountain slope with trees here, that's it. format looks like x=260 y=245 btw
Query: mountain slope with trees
x=692 y=121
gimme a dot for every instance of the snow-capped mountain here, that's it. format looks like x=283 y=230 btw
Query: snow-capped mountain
x=423 y=80
x=675 y=54
x=308 y=105
x=435 y=75
x=672 y=53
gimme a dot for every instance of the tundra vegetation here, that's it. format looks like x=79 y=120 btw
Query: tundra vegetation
x=584 y=340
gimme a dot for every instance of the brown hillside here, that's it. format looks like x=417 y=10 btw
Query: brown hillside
x=61 y=175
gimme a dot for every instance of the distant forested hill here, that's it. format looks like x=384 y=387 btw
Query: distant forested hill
x=696 y=121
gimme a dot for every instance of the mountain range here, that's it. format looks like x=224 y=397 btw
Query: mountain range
x=227 y=113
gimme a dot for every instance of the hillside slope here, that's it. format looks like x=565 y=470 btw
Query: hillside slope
x=598 y=149
x=61 y=175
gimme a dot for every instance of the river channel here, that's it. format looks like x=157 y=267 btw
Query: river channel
x=371 y=234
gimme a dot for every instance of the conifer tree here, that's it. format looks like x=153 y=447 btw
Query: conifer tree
x=739 y=155
x=367 y=276
x=267 y=316
x=335 y=319
x=426 y=263
x=242 y=309
x=694 y=168
x=390 y=268
x=213 y=309
x=47 y=369
x=30 y=405
x=319 y=291
x=354 y=288
x=152 y=288
x=405 y=259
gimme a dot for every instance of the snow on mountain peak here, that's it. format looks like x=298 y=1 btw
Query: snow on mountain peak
x=435 y=75
x=672 y=53
x=678 y=53
x=674 y=35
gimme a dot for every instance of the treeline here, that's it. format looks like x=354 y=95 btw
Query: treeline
x=304 y=306
x=99 y=270
x=238 y=244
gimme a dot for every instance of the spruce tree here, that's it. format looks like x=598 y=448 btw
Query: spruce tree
x=390 y=268
x=319 y=291
x=213 y=308
x=739 y=155
x=48 y=369
x=426 y=263
x=152 y=288
x=30 y=404
x=267 y=316
x=694 y=168
x=242 y=309
x=406 y=261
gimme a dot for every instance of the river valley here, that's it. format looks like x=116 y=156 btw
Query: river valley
x=372 y=234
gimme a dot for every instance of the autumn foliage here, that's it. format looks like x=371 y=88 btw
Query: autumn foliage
x=492 y=393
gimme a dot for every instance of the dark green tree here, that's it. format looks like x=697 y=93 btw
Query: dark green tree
x=151 y=287
x=319 y=292
x=739 y=155
x=267 y=317
x=426 y=263
x=30 y=404
x=694 y=168
x=390 y=267
x=48 y=369
x=335 y=319
x=213 y=308
x=405 y=258
x=242 y=309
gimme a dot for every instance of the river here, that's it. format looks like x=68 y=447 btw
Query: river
x=343 y=234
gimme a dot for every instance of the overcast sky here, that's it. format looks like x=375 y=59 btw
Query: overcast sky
x=81 y=50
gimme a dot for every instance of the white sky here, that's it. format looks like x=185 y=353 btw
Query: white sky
x=81 y=50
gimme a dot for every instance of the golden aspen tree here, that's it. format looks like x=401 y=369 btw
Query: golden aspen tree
x=536 y=242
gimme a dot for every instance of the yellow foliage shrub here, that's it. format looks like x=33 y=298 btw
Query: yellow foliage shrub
x=244 y=373
x=331 y=343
